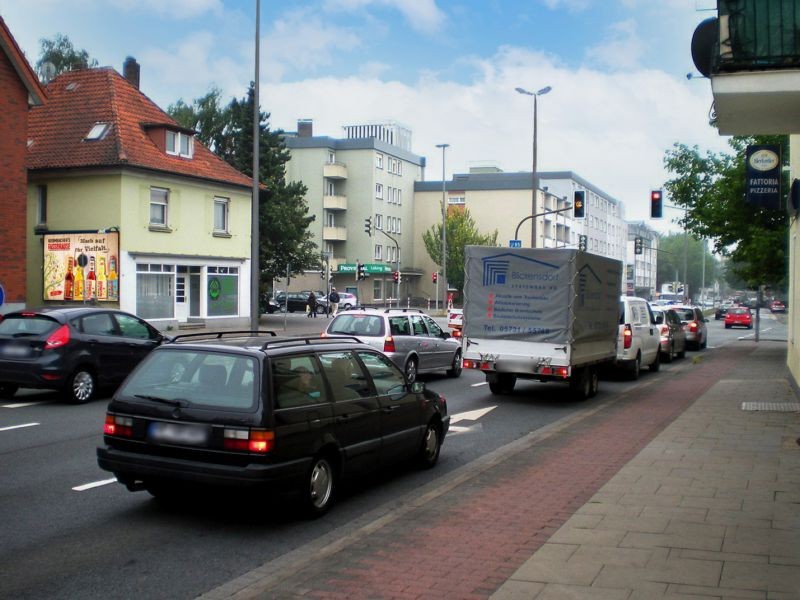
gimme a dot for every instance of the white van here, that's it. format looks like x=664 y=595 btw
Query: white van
x=639 y=338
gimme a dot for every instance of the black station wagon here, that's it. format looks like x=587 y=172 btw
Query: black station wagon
x=247 y=410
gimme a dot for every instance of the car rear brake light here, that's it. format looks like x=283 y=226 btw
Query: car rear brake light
x=665 y=330
x=255 y=441
x=388 y=344
x=456 y=333
x=627 y=337
x=118 y=426
x=693 y=326
x=58 y=338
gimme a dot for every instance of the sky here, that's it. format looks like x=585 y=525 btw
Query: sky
x=446 y=69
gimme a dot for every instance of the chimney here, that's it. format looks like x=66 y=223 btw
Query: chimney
x=305 y=127
x=130 y=71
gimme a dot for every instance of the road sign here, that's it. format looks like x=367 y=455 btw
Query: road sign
x=515 y=243
x=2 y=295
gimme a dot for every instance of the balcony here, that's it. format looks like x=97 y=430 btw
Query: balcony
x=751 y=53
x=334 y=170
x=334 y=234
x=334 y=202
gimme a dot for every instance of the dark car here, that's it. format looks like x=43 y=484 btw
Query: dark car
x=74 y=349
x=296 y=301
x=245 y=410
x=673 y=335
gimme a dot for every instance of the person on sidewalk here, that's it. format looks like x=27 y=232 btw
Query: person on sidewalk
x=333 y=302
x=312 y=305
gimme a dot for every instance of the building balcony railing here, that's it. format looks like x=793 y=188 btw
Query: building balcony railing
x=334 y=202
x=334 y=234
x=334 y=170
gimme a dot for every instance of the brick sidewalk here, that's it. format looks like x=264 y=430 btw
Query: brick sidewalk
x=465 y=540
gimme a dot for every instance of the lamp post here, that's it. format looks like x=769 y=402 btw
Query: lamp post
x=255 y=234
x=534 y=176
x=444 y=229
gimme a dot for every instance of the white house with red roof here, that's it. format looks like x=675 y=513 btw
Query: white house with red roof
x=126 y=207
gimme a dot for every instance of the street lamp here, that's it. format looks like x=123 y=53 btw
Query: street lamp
x=444 y=229
x=534 y=177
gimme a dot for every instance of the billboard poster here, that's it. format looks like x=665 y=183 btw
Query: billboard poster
x=81 y=266
x=764 y=176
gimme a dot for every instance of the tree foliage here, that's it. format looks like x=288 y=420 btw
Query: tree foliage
x=62 y=54
x=671 y=251
x=461 y=232
x=283 y=211
x=711 y=188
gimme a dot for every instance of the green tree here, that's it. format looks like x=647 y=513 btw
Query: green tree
x=711 y=188
x=671 y=250
x=283 y=210
x=461 y=231
x=60 y=52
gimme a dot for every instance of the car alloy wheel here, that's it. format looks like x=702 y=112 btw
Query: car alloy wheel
x=81 y=386
x=455 y=370
x=411 y=370
x=320 y=482
x=431 y=446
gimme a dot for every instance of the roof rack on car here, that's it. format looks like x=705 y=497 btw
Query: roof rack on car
x=219 y=334
x=309 y=339
x=405 y=310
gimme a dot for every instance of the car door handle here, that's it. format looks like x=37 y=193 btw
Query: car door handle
x=388 y=409
x=342 y=418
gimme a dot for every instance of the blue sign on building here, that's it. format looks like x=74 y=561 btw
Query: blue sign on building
x=515 y=243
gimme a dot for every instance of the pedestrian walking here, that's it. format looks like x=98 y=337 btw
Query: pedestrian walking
x=312 y=305
x=333 y=302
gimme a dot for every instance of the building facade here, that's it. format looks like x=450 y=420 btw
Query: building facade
x=641 y=270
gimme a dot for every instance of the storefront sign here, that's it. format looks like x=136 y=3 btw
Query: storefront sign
x=81 y=266
x=368 y=268
x=763 y=179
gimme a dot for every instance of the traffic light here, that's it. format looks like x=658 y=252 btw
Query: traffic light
x=638 y=245
x=360 y=273
x=396 y=276
x=579 y=204
x=656 y=204
x=435 y=277
x=368 y=226
x=582 y=240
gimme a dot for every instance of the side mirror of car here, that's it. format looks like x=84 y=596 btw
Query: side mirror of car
x=417 y=387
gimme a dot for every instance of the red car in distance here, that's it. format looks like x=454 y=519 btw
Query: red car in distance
x=777 y=307
x=739 y=316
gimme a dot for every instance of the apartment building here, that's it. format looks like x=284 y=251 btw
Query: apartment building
x=641 y=269
x=361 y=188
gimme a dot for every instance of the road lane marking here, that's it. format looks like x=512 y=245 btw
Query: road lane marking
x=94 y=484
x=18 y=426
x=24 y=404
x=471 y=415
x=479 y=384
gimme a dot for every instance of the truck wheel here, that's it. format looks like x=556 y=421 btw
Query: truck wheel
x=594 y=382
x=502 y=383
x=581 y=384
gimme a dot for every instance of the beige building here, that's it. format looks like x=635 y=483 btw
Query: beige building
x=641 y=270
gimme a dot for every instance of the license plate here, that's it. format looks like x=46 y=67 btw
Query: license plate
x=14 y=351
x=171 y=433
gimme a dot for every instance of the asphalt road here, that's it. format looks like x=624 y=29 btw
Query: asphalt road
x=67 y=532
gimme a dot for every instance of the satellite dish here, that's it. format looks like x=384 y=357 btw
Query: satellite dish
x=48 y=71
x=704 y=41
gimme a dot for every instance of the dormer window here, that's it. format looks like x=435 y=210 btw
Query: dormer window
x=180 y=144
x=98 y=132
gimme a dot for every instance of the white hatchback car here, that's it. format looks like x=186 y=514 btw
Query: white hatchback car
x=639 y=338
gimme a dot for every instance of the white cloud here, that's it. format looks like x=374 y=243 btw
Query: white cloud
x=623 y=49
x=422 y=15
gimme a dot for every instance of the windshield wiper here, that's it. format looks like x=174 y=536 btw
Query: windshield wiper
x=177 y=402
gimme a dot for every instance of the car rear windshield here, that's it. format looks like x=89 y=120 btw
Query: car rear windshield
x=195 y=378
x=25 y=325
x=358 y=324
x=658 y=316
x=686 y=314
x=738 y=311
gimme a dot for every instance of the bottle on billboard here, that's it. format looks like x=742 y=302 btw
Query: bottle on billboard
x=69 y=279
x=91 y=281
x=102 y=287
x=79 y=283
x=113 y=280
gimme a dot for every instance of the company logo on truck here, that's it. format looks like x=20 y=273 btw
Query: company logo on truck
x=585 y=296
x=497 y=270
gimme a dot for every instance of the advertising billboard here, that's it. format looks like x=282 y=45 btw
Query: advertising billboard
x=81 y=266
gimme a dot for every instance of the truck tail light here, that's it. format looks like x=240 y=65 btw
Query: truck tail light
x=58 y=338
x=627 y=337
x=254 y=441
x=118 y=426
x=388 y=344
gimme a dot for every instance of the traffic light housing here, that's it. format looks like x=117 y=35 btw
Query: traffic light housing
x=368 y=226
x=360 y=273
x=656 y=204
x=582 y=242
x=396 y=276
x=638 y=245
x=435 y=277
x=579 y=204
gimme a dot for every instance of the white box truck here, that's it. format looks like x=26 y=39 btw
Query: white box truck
x=544 y=314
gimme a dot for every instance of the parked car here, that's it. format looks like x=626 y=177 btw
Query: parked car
x=293 y=301
x=347 y=300
x=673 y=336
x=639 y=339
x=777 y=307
x=266 y=413
x=269 y=305
x=739 y=317
x=72 y=349
x=410 y=338
x=694 y=323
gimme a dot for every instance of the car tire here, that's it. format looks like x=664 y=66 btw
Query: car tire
x=635 y=368
x=656 y=364
x=7 y=390
x=682 y=353
x=455 y=370
x=669 y=353
x=81 y=386
x=319 y=487
x=727 y=326
x=431 y=446
x=411 y=370
x=502 y=383
x=320 y=310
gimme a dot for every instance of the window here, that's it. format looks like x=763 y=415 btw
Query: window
x=98 y=132
x=298 y=382
x=330 y=221
x=347 y=378
x=221 y=214
x=131 y=327
x=159 y=199
x=179 y=143
x=377 y=289
x=387 y=378
x=98 y=324
x=331 y=157
x=379 y=191
x=400 y=196
x=222 y=291
x=378 y=221
x=379 y=161
x=378 y=252
x=41 y=217
x=457 y=200
x=154 y=291
x=399 y=228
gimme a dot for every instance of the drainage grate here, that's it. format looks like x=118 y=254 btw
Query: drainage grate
x=772 y=406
